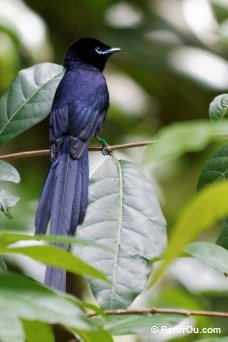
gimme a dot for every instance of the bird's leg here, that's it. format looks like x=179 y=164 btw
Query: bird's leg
x=104 y=145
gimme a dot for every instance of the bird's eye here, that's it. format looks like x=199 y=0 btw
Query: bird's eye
x=98 y=50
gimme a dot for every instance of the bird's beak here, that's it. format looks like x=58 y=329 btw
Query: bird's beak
x=111 y=51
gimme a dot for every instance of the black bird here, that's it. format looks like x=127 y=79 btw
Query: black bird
x=77 y=115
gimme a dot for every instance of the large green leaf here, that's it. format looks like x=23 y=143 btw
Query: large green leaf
x=38 y=331
x=124 y=214
x=28 y=99
x=57 y=257
x=8 y=172
x=26 y=299
x=36 y=305
x=215 y=169
x=11 y=329
x=205 y=209
x=138 y=323
x=182 y=137
x=215 y=256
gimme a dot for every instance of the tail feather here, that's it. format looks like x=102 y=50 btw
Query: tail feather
x=85 y=187
x=64 y=199
x=43 y=212
x=76 y=205
x=81 y=194
x=55 y=278
x=65 y=179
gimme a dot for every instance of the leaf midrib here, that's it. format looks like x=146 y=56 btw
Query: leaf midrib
x=25 y=102
x=118 y=232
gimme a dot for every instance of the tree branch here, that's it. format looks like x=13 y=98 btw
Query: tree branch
x=40 y=153
x=154 y=311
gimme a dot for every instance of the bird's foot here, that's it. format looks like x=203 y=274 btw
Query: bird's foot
x=104 y=145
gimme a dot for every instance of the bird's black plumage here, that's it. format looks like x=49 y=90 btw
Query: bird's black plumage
x=78 y=113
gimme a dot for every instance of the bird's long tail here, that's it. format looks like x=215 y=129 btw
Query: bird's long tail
x=64 y=200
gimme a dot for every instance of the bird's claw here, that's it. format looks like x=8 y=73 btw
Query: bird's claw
x=104 y=144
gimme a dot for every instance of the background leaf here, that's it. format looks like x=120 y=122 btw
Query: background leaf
x=28 y=100
x=223 y=30
x=11 y=329
x=137 y=323
x=195 y=218
x=37 y=331
x=56 y=257
x=124 y=214
x=29 y=300
x=215 y=169
x=222 y=240
x=9 y=238
x=7 y=200
x=218 y=109
x=99 y=335
x=8 y=172
x=182 y=137
x=213 y=255
x=3 y=266
x=215 y=339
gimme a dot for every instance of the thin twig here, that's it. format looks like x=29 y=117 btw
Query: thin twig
x=28 y=154
x=40 y=153
x=154 y=311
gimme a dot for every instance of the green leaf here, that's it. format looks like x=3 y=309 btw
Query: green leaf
x=218 y=109
x=137 y=323
x=223 y=30
x=205 y=209
x=3 y=267
x=223 y=237
x=215 y=169
x=7 y=201
x=215 y=339
x=220 y=9
x=37 y=331
x=8 y=172
x=213 y=255
x=99 y=335
x=9 y=238
x=182 y=137
x=57 y=257
x=179 y=297
x=124 y=214
x=28 y=99
x=11 y=329
x=26 y=299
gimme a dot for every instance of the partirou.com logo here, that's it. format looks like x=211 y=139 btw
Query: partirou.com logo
x=184 y=330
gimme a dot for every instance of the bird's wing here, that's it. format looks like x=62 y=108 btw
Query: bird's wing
x=80 y=121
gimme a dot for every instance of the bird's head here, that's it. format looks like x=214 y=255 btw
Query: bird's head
x=88 y=51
